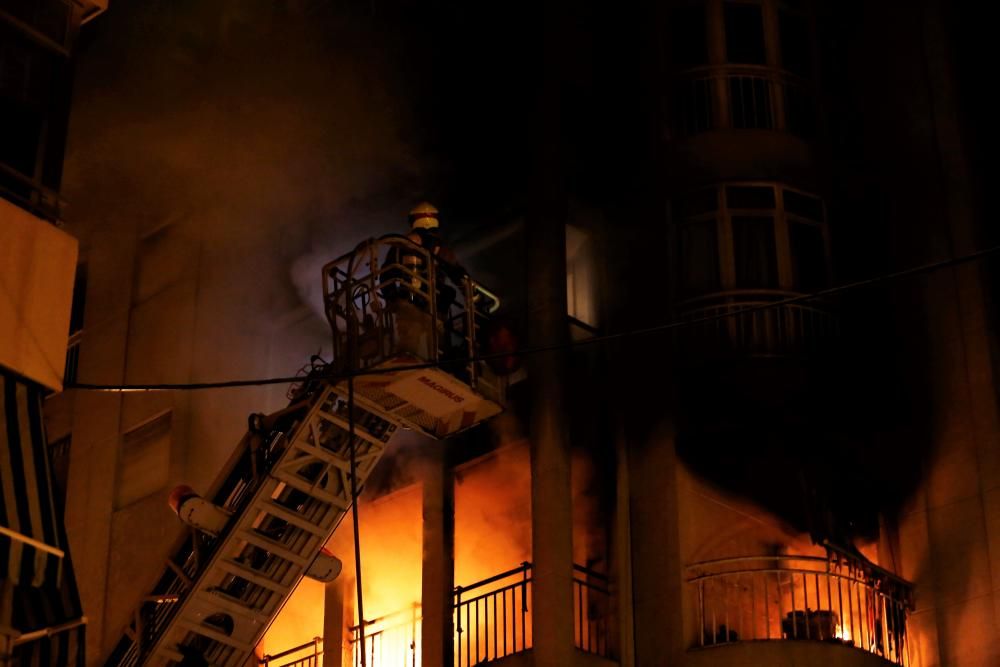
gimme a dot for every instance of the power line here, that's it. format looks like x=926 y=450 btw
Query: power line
x=593 y=340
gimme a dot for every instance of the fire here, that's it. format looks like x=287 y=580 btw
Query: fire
x=492 y=534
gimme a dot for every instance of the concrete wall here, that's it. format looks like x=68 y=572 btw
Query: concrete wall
x=37 y=266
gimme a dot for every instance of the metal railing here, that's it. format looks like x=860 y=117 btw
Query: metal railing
x=30 y=194
x=737 y=322
x=492 y=619
x=390 y=641
x=836 y=599
x=592 y=611
x=496 y=620
x=390 y=295
x=304 y=655
x=741 y=97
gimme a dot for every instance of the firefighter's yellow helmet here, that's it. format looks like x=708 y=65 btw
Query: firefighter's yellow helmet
x=424 y=216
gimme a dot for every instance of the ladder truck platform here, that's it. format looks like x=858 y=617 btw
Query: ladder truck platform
x=401 y=361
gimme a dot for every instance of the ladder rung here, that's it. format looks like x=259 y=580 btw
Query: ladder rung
x=269 y=545
x=292 y=517
x=253 y=576
x=170 y=654
x=296 y=482
x=228 y=603
x=212 y=633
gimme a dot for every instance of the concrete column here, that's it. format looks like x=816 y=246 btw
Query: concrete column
x=551 y=495
x=438 y=571
x=333 y=623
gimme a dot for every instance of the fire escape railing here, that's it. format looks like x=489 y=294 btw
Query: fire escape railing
x=838 y=600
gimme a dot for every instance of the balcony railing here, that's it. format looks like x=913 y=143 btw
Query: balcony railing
x=592 y=608
x=741 y=97
x=746 y=323
x=838 y=600
x=390 y=641
x=305 y=655
x=492 y=619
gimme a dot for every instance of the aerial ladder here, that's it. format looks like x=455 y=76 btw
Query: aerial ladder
x=404 y=357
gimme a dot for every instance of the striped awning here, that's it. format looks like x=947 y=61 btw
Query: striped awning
x=47 y=619
x=31 y=551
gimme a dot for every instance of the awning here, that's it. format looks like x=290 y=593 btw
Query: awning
x=31 y=552
x=46 y=616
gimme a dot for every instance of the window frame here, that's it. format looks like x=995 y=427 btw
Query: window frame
x=723 y=216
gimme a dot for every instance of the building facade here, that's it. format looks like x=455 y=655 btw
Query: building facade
x=41 y=621
x=760 y=483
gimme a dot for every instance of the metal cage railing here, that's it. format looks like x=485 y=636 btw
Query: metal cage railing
x=367 y=290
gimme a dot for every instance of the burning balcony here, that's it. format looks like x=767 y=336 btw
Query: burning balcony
x=837 y=600
x=492 y=620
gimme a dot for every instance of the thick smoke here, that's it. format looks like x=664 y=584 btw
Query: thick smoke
x=280 y=131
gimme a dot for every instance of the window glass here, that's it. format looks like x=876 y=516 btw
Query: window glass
x=581 y=279
x=744 y=34
x=698 y=257
x=687 y=36
x=795 y=43
x=808 y=256
x=744 y=196
x=754 y=251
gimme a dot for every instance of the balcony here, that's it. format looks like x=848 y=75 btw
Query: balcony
x=746 y=323
x=741 y=97
x=838 y=601
x=492 y=620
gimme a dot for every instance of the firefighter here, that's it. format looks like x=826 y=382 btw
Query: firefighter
x=425 y=232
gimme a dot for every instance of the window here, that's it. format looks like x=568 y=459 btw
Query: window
x=747 y=196
x=143 y=460
x=749 y=236
x=754 y=252
x=744 y=34
x=581 y=283
x=689 y=47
